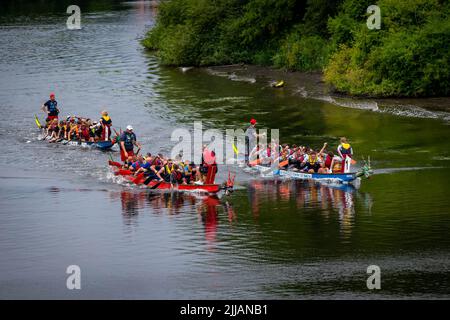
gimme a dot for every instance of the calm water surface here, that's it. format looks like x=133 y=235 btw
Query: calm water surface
x=59 y=205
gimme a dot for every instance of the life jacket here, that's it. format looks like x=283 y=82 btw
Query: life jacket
x=187 y=170
x=178 y=175
x=106 y=120
x=328 y=160
x=74 y=127
x=337 y=167
x=345 y=148
x=85 y=133
x=168 y=170
x=128 y=140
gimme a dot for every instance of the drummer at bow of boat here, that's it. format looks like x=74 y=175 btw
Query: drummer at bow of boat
x=304 y=158
x=51 y=108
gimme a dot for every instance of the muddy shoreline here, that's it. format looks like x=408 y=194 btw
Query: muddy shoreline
x=311 y=85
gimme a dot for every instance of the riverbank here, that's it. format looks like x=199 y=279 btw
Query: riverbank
x=311 y=85
x=405 y=56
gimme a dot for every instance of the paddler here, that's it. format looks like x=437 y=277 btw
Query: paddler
x=84 y=132
x=312 y=163
x=51 y=108
x=208 y=167
x=106 y=123
x=250 y=139
x=73 y=130
x=127 y=143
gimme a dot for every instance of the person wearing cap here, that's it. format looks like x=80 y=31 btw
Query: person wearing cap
x=127 y=143
x=51 y=108
x=250 y=139
x=106 y=123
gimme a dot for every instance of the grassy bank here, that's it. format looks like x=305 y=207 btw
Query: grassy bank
x=408 y=56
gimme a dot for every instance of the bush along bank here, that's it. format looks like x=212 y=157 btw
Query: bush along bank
x=407 y=56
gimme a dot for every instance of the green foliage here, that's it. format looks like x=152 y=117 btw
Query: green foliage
x=408 y=56
x=306 y=53
x=316 y=16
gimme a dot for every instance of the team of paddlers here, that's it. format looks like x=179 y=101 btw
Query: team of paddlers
x=73 y=127
x=298 y=158
x=160 y=168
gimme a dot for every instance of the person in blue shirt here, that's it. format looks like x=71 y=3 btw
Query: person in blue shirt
x=51 y=108
x=127 y=143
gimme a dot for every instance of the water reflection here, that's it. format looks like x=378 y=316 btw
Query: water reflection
x=326 y=199
x=135 y=202
x=172 y=203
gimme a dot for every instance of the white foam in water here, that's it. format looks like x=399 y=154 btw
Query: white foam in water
x=185 y=69
x=233 y=76
x=399 y=110
x=393 y=170
x=410 y=111
x=225 y=99
x=363 y=105
x=441 y=158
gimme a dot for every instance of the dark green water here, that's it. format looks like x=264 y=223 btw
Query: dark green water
x=270 y=239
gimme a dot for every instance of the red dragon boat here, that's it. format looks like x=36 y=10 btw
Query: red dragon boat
x=163 y=185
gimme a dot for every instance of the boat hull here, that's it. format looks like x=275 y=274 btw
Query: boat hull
x=210 y=188
x=334 y=177
x=157 y=185
x=102 y=145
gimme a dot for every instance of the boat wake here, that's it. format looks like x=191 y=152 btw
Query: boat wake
x=349 y=103
x=404 y=110
x=231 y=76
x=394 y=170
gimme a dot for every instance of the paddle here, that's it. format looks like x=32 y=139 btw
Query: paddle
x=36 y=120
x=149 y=179
x=235 y=149
x=115 y=131
x=283 y=163
x=255 y=162
x=157 y=184
x=139 y=178
x=115 y=164
x=258 y=161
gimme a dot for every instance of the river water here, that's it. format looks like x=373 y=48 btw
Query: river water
x=60 y=206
